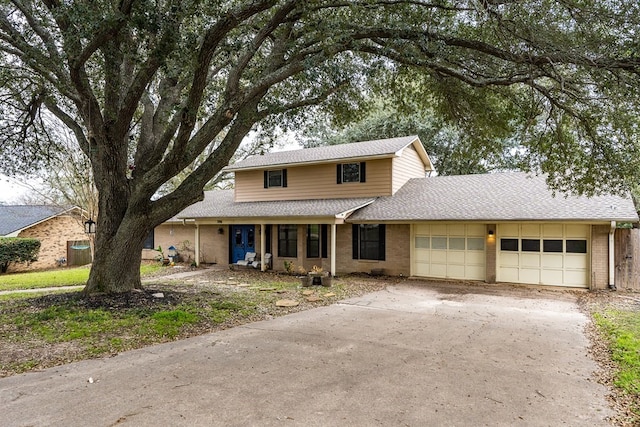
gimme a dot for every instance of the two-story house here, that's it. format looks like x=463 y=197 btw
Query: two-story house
x=371 y=206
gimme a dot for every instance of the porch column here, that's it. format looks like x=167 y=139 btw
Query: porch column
x=197 y=244
x=263 y=243
x=333 y=249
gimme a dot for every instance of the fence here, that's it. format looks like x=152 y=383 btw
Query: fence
x=627 y=259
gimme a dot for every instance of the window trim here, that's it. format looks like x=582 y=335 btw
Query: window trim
x=289 y=242
x=150 y=238
x=362 y=168
x=357 y=242
x=283 y=178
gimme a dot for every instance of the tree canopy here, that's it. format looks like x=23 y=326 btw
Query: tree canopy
x=148 y=86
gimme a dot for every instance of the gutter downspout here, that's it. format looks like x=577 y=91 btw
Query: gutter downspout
x=197 y=245
x=612 y=260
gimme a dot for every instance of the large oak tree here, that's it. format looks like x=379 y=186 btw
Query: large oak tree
x=148 y=86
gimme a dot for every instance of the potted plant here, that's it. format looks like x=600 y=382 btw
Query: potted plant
x=305 y=279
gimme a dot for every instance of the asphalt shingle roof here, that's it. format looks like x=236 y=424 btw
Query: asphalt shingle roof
x=492 y=197
x=220 y=204
x=18 y=217
x=356 y=150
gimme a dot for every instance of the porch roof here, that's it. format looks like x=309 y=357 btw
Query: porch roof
x=220 y=205
x=510 y=196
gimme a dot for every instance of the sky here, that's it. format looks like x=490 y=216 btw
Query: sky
x=11 y=191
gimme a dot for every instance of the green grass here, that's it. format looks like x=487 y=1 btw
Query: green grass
x=623 y=331
x=56 y=278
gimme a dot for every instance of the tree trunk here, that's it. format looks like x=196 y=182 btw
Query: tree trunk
x=116 y=264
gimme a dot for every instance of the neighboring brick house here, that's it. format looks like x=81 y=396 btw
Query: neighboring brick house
x=60 y=231
x=369 y=206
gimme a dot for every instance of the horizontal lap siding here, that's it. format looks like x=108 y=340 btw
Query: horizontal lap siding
x=409 y=165
x=314 y=182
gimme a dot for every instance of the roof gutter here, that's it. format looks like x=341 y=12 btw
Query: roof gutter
x=612 y=260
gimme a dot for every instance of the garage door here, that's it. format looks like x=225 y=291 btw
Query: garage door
x=545 y=254
x=455 y=251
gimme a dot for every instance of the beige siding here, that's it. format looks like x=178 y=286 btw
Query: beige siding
x=53 y=235
x=314 y=182
x=408 y=165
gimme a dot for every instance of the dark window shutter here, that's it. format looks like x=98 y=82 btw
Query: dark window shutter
x=266 y=179
x=355 y=237
x=363 y=171
x=339 y=174
x=284 y=177
x=381 y=250
x=323 y=240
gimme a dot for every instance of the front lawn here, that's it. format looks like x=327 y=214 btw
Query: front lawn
x=616 y=347
x=59 y=277
x=47 y=330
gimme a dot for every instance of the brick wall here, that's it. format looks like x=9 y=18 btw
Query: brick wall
x=599 y=256
x=491 y=255
x=53 y=235
x=214 y=247
x=398 y=247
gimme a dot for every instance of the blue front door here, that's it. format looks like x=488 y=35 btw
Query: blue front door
x=243 y=240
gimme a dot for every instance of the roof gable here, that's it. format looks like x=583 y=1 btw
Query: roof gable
x=15 y=218
x=353 y=151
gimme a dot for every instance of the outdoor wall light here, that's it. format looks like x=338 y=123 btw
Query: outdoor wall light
x=220 y=230
x=90 y=226
x=491 y=232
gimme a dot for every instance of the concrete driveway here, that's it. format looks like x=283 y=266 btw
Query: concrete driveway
x=412 y=355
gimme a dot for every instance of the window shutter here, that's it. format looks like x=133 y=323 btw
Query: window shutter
x=284 y=177
x=363 y=171
x=323 y=240
x=339 y=174
x=355 y=237
x=266 y=179
x=381 y=250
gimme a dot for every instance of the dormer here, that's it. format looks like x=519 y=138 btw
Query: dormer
x=360 y=169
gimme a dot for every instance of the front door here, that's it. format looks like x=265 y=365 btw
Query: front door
x=243 y=240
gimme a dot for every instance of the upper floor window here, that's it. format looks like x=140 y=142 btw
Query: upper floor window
x=351 y=172
x=275 y=178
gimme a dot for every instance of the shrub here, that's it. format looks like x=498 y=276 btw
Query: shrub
x=18 y=250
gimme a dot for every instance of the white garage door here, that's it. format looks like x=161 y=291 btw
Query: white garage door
x=455 y=251
x=545 y=254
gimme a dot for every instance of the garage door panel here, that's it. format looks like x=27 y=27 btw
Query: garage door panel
x=439 y=257
x=510 y=259
x=566 y=261
x=530 y=230
x=439 y=270
x=477 y=230
x=530 y=260
x=454 y=251
x=475 y=258
x=575 y=278
x=553 y=261
x=552 y=277
x=576 y=261
x=455 y=271
x=575 y=230
x=509 y=274
x=475 y=272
